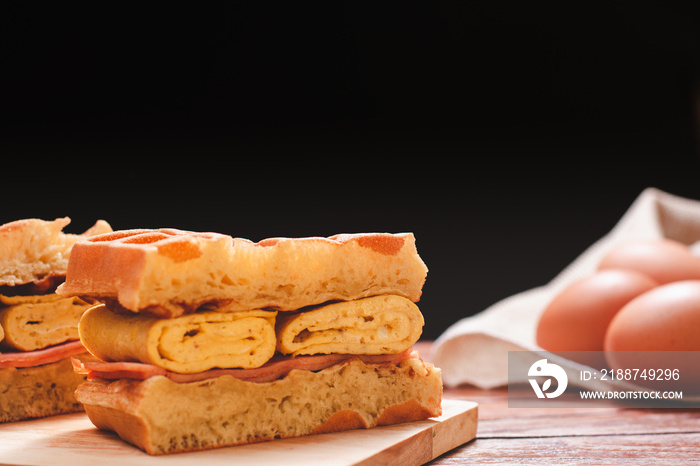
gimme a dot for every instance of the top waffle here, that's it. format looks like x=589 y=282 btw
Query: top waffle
x=168 y=273
x=32 y=250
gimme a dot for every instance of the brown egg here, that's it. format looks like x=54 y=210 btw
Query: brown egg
x=666 y=318
x=647 y=330
x=578 y=317
x=664 y=260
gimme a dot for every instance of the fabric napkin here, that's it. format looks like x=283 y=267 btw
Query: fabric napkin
x=474 y=350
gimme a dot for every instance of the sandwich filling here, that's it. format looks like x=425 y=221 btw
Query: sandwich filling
x=378 y=325
x=257 y=345
x=186 y=344
x=276 y=368
x=35 y=322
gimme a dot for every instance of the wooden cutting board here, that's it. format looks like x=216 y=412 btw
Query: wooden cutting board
x=73 y=440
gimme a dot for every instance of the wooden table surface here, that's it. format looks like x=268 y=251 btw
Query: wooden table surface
x=574 y=435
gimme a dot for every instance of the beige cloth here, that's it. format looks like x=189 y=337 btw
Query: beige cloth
x=474 y=350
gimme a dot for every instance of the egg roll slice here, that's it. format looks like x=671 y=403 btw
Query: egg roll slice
x=187 y=344
x=35 y=322
x=386 y=324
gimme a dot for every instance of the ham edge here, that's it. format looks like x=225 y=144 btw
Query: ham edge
x=274 y=369
x=42 y=356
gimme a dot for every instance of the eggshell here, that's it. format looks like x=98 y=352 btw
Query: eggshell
x=651 y=326
x=578 y=317
x=666 y=318
x=664 y=260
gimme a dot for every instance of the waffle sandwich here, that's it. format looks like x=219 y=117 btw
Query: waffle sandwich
x=205 y=340
x=38 y=328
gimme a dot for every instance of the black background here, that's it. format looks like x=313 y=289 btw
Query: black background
x=508 y=136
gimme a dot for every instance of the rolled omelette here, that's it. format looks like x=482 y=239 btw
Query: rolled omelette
x=35 y=322
x=385 y=324
x=187 y=344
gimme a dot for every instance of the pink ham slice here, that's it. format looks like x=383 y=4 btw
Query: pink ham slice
x=42 y=356
x=276 y=368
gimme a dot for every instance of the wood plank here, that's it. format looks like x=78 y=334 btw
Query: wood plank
x=607 y=449
x=72 y=439
x=629 y=421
